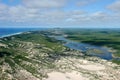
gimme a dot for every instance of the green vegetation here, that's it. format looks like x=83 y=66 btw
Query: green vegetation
x=31 y=51
x=100 y=37
x=116 y=61
x=39 y=38
x=34 y=54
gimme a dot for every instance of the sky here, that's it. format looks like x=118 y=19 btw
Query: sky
x=60 y=13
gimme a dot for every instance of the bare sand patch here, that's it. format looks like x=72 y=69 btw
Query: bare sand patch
x=92 y=67
x=65 y=76
x=24 y=75
x=3 y=45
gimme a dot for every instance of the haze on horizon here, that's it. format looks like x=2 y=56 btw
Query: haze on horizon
x=60 y=13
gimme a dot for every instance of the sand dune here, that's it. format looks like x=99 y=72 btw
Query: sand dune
x=65 y=76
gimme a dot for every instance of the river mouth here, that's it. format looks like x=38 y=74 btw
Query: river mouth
x=88 y=49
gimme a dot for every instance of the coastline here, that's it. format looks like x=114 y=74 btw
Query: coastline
x=14 y=31
x=17 y=33
x=8 y=35
x=28 y=59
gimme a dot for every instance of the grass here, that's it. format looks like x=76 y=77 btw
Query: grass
x=15 y=54
x=116 y=61
x=38 y=38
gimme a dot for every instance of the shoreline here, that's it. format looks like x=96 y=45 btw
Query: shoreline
x=8 y=35
x=22 y=30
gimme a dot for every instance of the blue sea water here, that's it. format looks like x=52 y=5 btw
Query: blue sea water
x=10 y=31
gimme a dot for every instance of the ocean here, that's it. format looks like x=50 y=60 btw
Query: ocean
x=9 y=31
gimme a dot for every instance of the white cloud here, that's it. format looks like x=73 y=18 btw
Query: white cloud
x=3 y=8
x=115 y=6
x=41 y=12
x=3 y=11
x=101 y=16
x=44 y=3
x=85 y=2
